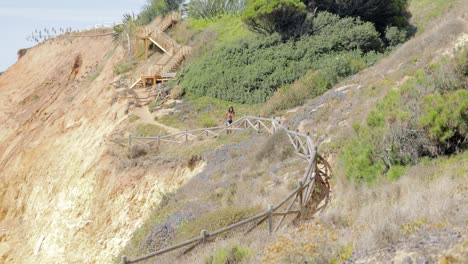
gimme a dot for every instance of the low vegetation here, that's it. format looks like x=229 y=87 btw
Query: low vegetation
x=232 y=254
x=425 y=117
x=206 y=9
x=215 y=220
x=146 y=130
x=257 y=67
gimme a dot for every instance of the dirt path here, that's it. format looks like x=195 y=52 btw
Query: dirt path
x=145 y=117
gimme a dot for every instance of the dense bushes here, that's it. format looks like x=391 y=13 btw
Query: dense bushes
x=426 y=117
x=382 y=13
x=214 y=8
x=285 y=17
x=249 y=71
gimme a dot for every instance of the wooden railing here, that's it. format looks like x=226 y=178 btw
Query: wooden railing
x=299 y=198
x=176 y=60
x=168 y=20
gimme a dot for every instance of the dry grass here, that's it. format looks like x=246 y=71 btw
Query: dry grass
x=362 y=219
x=375 y=217
x=425 y=47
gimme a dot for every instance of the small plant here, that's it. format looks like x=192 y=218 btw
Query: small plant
x=208 y=122
x=35 y=98
x=137 y=151
x=231 y=254
x=121 y=68
x=93 y=76
x=193 y=161
x=395 y=36
x=145 y=130
x=214 y=220
x=133 y=118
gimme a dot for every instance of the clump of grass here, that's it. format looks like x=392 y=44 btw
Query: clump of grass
x=93 y=76
x=145 y=130
x=133 y=118
x=121 y=68
x=214 y=220
x=310 y=243
x=423 y=12
x=383 y=214
x=276 y=148
x=231 y=254
x=193 y=161
x=138 y=151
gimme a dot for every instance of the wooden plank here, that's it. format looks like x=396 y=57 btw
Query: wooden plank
x=251 y=125
x=288 y=208
x=256 y=225
x=286 y=213
x=164 y=250
x=248 y=220
x=291 y=140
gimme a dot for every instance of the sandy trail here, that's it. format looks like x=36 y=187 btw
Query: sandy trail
x=145 y=117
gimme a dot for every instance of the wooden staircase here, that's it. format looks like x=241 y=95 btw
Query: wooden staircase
x=142 y=90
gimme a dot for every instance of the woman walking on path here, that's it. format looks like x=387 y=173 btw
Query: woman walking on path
x=229 y=117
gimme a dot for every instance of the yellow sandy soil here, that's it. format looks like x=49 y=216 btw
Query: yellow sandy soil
x=58 y=179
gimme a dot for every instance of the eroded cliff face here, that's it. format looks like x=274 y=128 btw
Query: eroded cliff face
x=64 y=197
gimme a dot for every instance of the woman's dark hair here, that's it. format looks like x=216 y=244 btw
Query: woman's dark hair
x=231 y=109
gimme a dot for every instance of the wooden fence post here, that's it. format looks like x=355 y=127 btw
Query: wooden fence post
x=301 y=184
x=204 y=235
x=273 y=126
x=159 y=141
x=258 y=126
x=270 y=218
x=186 y=134
x=123 y=260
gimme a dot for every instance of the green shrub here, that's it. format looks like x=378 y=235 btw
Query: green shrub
x=311 y=85
x=396 y=172
x=382 y=13
x=251 y=70
x=209 y=122
x=214 y=220
x=395 y=36
x=214 y=8
x=426 y=117
x=445 y=118
x=231 y=254
x=285 y=17
x=121 y=68
x=359 y=162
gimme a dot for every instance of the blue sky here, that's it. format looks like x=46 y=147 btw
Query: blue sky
x=19 y=18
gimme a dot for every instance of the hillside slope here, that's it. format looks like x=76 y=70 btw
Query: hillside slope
x=363 y=224
x=65 y=196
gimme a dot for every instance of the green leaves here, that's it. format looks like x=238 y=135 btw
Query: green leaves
x=446 y=117
x=285 y=17
x=251 y=70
